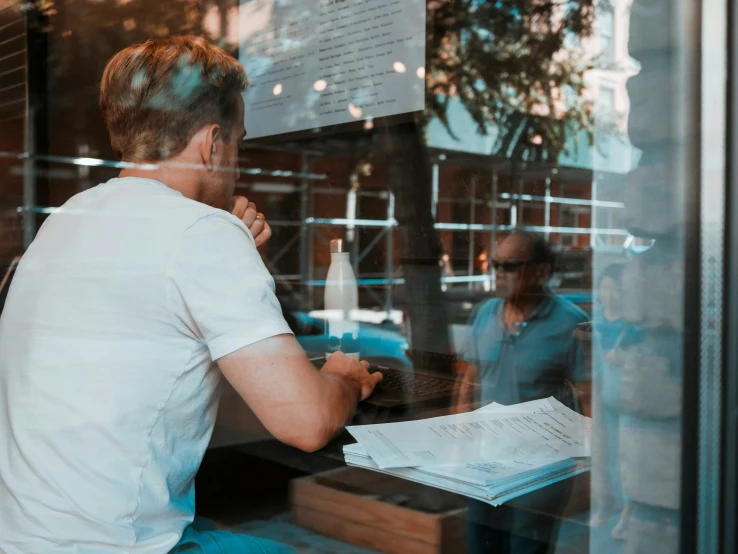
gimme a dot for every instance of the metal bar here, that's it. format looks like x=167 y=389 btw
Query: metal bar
x=322 y=237
x=306 y=241
x=287 y=284
x=10 y=103
x=593 y=220
x=372 y=244
x=384 y=282
x=19 y=20
x=377 y=300
x=435 y=184
x=460 y=200
x=353 y=233
x=493 y=231
x=11 y=39
x=283 y=173
x=274 y=259
x=547 y=213
x=369 y=275
x=531 y=228
x=12 y=117
x=363 y=282
x=9 y=71
x=439 y=226
x=96 y=162
x=21 y=84
x=285 y=223
x=389 y=254
x=18 y=53
x=472 y=219
x=287 y=277
x=562 y=200
x=273 y=148
x=29 y=164
x=342 y=192
x=342 y=222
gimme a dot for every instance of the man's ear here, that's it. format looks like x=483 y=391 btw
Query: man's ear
x=209 y=146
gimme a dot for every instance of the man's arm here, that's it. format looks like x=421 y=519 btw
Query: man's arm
x=467 y=374
x=298 y=405
x=584 y=389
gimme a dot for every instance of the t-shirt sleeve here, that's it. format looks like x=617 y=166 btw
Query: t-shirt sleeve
x=470 y=353
x=221 y=291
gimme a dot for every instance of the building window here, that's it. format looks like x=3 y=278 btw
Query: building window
x=607 y=32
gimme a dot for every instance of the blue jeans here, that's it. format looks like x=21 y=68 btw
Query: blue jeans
x=202 y=538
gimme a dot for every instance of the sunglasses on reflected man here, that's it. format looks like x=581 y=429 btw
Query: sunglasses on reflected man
x=508 y=267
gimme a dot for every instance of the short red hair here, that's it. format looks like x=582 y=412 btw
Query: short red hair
x=155 y=96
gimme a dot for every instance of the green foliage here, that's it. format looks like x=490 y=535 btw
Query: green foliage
x=514 y=64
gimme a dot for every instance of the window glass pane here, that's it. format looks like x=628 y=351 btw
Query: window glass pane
x=607 y=30
x=490 y=202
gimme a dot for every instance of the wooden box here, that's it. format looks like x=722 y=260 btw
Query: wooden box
x=380 y=512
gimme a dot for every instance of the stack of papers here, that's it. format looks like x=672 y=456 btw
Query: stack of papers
x=494 y=454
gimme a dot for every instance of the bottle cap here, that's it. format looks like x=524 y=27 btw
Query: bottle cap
x=336 y=246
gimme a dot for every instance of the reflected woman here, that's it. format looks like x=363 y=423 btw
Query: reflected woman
x=611 y=333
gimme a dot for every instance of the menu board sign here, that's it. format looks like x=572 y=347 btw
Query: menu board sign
x=314 y=63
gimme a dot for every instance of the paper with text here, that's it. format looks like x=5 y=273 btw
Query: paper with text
x=317 y=63
x=478 y=437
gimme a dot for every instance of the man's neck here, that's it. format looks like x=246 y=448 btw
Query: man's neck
x=181 y=179
x=523 y=305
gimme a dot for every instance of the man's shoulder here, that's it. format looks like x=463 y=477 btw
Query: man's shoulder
x=147 y=199
x=485 y=309
x=568 y=311
x=216 y=223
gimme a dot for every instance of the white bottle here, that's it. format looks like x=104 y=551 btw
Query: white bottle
x=341 y=299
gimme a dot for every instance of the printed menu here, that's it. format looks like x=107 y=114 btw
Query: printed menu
x=314 y=63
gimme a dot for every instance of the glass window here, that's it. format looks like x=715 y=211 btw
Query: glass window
x=203 y=203
x=607 y=30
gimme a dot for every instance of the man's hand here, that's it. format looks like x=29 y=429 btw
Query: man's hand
x=298 y=405
x=353 y=371
x=255 y=221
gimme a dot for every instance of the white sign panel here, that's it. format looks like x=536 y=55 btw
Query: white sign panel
x=314 y=63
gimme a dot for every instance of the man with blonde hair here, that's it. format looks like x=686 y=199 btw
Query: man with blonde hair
x=118 y=310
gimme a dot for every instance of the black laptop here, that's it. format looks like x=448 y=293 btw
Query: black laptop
x=402 y=387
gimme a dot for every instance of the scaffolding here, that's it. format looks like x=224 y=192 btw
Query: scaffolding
x=379 y=286
x=311 y=227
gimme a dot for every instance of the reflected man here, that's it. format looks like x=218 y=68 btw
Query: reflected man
x=522 y=348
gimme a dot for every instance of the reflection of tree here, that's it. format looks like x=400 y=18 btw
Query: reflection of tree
x=509 y=62
x=504 y=57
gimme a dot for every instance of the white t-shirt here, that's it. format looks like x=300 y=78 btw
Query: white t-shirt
x=108 y=390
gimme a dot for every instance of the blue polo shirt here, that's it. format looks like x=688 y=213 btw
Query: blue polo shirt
x=538 y=361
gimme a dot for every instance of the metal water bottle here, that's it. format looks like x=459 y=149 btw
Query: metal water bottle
x=341 y=302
